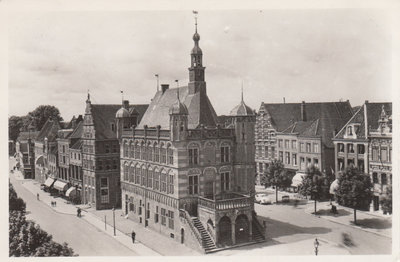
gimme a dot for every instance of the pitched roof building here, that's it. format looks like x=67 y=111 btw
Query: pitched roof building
x=100 y=152
x=365 y=142
x=299 y=134
x=183 y=172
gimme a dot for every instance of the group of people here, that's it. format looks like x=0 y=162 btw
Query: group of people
x=53 y=203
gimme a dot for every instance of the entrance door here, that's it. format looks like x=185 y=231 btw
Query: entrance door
x=225 y=231
x=242 y=229
x=126 y=207
x=376 y=203
x=182 y=235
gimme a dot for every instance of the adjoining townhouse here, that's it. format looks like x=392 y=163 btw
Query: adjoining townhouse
x=185 y=176
x=101 y=154
x=75 y=165
x=25 y=153
x=299 y=134
x=47 y=136
x=365 y=142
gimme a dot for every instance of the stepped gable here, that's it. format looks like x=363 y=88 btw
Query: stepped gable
x=200 y=110
x=331 y=117
x=103 y=115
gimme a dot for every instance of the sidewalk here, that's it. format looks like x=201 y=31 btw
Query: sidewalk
x=69 y=209
x=299 y=248
x=366 y=221
x=160 y=243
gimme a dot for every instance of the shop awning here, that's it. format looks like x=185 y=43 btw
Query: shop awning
x=70 y=192
x=334 y=187
x=49 y=182
x=61 y=186
x=298 y=179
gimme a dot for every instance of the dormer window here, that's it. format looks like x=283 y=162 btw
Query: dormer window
x=350 y=130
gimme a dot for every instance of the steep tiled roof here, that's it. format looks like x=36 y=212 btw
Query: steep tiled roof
x=104 y=115
x=77 y=145
x=77 y=133
x=321 y=118
x=25 y=135
x=199 y=107
x=373 y=114
x=49 y=130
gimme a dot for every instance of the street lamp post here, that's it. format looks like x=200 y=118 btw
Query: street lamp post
x=114 y=219
x=316 y=244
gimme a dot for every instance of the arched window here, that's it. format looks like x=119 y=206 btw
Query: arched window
x=156 y=153
x=132 y=174
x=225 y=153
x=132 y=150
x=170 y=185
x=163 y=153
x=156 y=185
x=126 y=172
x=150 y=178
x=170 y=153
x=144 y=176
x=138 y=174
x=125 y=149
x=150 y=153
x=163 y=181
x=137 y=150
x=143 y=151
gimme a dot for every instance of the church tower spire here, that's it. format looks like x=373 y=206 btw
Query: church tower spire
x=196 y=70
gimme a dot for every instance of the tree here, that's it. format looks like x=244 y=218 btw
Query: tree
x=386 y=201
x=355 y=190
x=15 y=125
x=15 y=203
x=27 y=238
x=313 y=185
x=39 y=116
x=276 y=176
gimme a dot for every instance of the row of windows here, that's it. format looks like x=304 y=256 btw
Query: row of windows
x=383 y=154
x=76 y=156
x=266 y=152
x=107 y=164
x=156 y=180
x=154 y=154
x=351 y=148
x=193 y=185
x=383 y=177
x=351 y=162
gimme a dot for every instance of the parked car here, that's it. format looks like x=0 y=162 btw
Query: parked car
x=262 y=199
x=285 y=198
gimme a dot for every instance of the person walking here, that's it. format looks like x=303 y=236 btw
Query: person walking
x=37 y=196
x=133 y=236
x=79 y=212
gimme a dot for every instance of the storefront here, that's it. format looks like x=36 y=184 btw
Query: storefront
x=60 y=186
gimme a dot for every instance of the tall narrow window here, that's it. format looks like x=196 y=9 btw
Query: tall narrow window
x=163 y=182
x=104 y=198
x=150 y=152
x=150 y=178
x=170 y=184
x=170 y=156
x=163 y=153
x=193 y=156
x=225 y=181
x=126 y=172
x=144 y=176
x=193 y=185
x=225 y=154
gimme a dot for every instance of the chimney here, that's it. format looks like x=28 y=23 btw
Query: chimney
x=303 y=111
x=126 y=104
x=164 y=87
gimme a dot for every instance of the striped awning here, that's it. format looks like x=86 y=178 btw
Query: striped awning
x=70 y=192
x=49 y=182
x=61 y=186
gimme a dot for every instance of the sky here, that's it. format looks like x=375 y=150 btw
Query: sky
x=312 y=55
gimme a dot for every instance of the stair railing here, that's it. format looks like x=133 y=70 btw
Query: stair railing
x=184 y=214
x=210 y=232
x=259 y=227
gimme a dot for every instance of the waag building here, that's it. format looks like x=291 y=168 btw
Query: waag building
x=185 y=176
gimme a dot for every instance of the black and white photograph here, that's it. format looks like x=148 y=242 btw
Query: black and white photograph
x=192 y=129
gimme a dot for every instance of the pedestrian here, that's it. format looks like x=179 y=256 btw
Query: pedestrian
x=37 y=196
x=55 y=203
x=79 y=212
x=52 y=203
x=133 y=236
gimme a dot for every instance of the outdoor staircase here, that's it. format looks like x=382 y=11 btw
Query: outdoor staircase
x=257 y=235
x=208 y=242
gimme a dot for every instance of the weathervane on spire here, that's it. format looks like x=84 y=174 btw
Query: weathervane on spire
x=242 y=90
x=195 y=18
